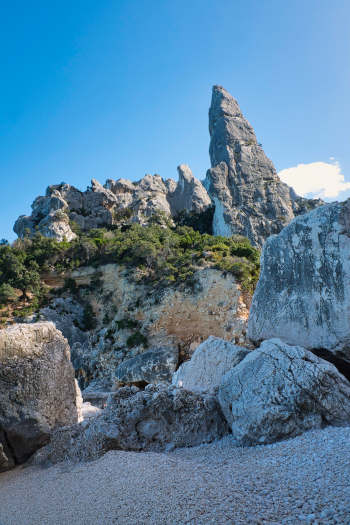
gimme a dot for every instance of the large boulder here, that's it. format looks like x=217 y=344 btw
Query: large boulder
x=38 y=392
x=279 y=391
x=153 y=366
x=303 y=294
x=209 y=363
x=156 y=419
x=248 y=195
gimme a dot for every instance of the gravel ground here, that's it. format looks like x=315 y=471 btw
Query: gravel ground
x=304 y=480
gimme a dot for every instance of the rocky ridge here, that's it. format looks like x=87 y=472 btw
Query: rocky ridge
x=65 y=207
x=242 y=185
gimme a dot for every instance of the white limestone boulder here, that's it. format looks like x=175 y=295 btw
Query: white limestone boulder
x=279 y=391
x=303 y=294
x=210 y=362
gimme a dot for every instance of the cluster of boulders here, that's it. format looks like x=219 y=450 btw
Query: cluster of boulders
x=292 y=378
x=261 y=396
x=275 y=391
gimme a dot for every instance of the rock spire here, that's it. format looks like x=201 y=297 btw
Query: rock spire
x=249 y=197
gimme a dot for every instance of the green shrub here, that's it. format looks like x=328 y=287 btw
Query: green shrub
x=124 y=324
x=7 y=293
x=163 y=255
x=89 y=321
x=71 y=286
x=137 y=339
x=122 y=214
x=74 y=226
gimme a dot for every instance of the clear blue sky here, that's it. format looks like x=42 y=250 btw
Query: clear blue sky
x=120 y=88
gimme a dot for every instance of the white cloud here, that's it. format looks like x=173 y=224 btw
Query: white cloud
x=316 y=180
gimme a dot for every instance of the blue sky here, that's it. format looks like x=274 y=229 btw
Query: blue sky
x=113 y=89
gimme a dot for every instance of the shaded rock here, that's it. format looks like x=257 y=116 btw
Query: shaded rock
x=95 y=398
x=37 y=388
x=279 y=391
x=6 y=459
x=156 y=419
x=303 y=294
x=209 y=363
x=153 y=366
x=189 y=194
x=67 y=315
x=248 y=195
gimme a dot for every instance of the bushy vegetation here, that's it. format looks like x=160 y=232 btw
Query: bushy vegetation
x=155 y=254
x=137 y=339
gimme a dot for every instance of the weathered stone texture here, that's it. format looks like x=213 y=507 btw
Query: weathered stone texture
x=153 y=366
x=174 y=319
x=248 y=195
x=209 y=363
x=156 y=419
x=303 y=294
x=37 y=389
x=115 y=202
x=279 y=391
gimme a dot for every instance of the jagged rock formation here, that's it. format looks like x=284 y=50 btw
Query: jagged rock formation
x=303 y=294
x=37 y=389
x=189 y=194
x=248 y=195
x=279 y=391
x=116 y=201
x=243 y=185
x=209 y=363
x=158 y=418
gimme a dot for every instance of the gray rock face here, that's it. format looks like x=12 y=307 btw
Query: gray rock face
x=67 y=316
x=189 y=194
x=248 y=195
x=279 y=391
x=37 y=389
x=303 y=294
x=209 y=363
x=115 y=202
x=155 y=419
x=153 y=366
